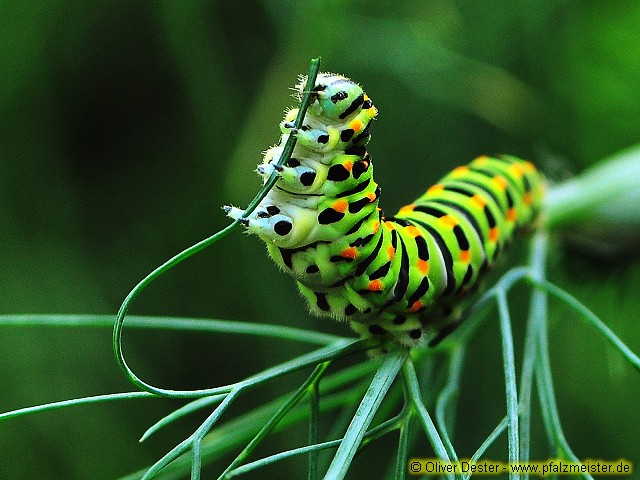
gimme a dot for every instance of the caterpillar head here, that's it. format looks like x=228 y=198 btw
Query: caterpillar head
x=336 y=97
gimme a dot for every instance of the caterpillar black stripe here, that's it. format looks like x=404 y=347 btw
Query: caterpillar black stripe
x=399 y=277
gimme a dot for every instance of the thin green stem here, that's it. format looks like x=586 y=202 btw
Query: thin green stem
x=235 y=433
x=183 y=411
x=448 y=393
x=73 y=402
x=380 y=384
x=386 y=427
x=590 y=317
x=403 y=450
x=342 y=420
x=193 y=442
x=263 y=462
x=180 y=257
x=311 y=381
x=207 y=325
x=537 y=311
x=413 y=388
x=508 y=360
x=311 y=358
x=493 y=436
x=548 y=403
x=478 y=311
x=314 y=417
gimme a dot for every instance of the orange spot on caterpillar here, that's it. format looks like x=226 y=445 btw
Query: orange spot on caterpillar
x=389 y=225
x=516 y=170
x=465 y=256
x=512 y=214
x=356 y=125
x=478 y=201
x=481 y=160
x=493 y=234
x=459 y=171
x=417 y=305
x=348 y=165
x=391 y=252
x=528 y=198
x=375 y=285
x=448 y=221
x=423 y=266
x=371 y=196
x=340 y=205
x=500 y=182
x=412 y=230
x=407 y=208
x=529 y=166
x=376 y=226
x=351 y=252
x=438 y=187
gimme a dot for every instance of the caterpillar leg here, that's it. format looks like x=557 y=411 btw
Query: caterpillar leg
x=233 y=212
x=305 y=175
x=263 y=222
x=298 y=177
x=266 y=169
x=413 y=330
x=316 y=139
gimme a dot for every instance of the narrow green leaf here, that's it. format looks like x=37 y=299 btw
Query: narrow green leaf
x=591 y=318
x=73 y=402
x=508 y=360
x=449 y=392
x=187 y=409
x=275 y=419
x=314 y=416
x=493 y=436
x=380 y=384
x=174 y=324
x=548 y=403
x=403 y=450
x=382 y=429
x=413 y=389
x=537 y=311
x=263 y=462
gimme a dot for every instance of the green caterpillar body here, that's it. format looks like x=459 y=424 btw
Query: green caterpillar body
x=400 y=277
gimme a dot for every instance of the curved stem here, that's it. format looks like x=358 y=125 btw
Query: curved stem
x=180 y=257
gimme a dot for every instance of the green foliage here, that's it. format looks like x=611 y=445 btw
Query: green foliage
x=126 y=126
x=207 y=443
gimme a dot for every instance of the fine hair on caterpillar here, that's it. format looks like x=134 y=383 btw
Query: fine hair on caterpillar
x=405 y=277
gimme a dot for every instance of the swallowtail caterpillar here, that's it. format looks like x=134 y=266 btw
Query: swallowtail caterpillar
x=403 y=277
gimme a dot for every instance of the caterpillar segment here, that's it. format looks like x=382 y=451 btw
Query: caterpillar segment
x=402 y=278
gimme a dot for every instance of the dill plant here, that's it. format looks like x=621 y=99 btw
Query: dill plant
x=394 y=376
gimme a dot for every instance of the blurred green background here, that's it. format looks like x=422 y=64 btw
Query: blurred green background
x=124 y=126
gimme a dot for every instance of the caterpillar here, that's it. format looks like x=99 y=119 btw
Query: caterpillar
x=401 y=278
